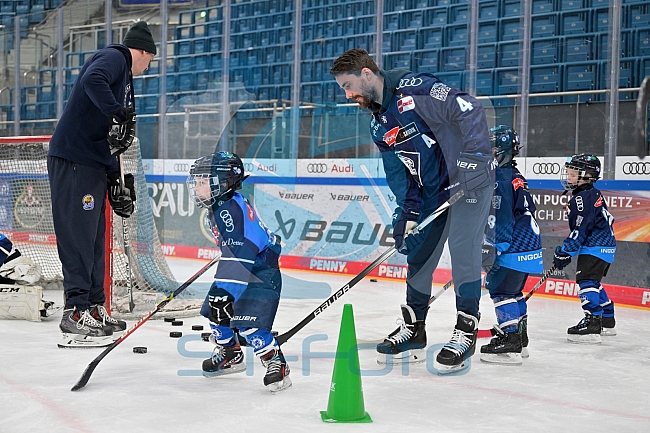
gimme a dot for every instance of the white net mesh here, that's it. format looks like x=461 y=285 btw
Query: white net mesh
x=26 y=219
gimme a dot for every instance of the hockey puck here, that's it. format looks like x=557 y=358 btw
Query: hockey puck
x=177 y=323
x=205 y=336
x=197 y=327
x=140 y=349
x=170 y=319
x=372 y=280
x=175 y=334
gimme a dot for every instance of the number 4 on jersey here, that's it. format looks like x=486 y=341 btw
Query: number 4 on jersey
x=464 y=105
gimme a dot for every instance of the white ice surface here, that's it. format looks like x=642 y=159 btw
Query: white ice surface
x=561 y=387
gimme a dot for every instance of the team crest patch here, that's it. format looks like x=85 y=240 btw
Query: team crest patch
x=88 y=202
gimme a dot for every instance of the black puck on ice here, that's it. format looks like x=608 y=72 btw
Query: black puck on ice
x=177 y=323
x=197 y=327
x=205 y=336
x=170 y=319
x=175 y=334
x=373 y=280
x=139 y=349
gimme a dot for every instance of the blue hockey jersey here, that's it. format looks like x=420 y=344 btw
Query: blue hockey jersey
x=421 y=128
x=512 y=227
x=244 y=241
x=591 y=226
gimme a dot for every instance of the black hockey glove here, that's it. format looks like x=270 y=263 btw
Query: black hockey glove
x=561 y=259
x=121 y=133
x=488 y=255
x=403 y=223
x=475 y=172
x=220 y=303
x=122 y=198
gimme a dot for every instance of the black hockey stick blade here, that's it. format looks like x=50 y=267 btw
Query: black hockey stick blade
x=545 y=275
x=85 y=377
x=281 y=339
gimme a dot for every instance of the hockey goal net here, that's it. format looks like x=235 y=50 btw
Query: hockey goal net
x=26 y=219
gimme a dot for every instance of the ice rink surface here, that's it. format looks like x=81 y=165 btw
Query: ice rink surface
x=562 y=387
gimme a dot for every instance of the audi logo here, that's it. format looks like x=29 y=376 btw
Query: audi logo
x=227 y=220
x=409 y=82
x=248 y=166
x=317 y=168
x=179 y=167
x=636 y=168
x=546 y=168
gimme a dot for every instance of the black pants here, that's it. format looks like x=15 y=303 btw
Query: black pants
x=78 y=204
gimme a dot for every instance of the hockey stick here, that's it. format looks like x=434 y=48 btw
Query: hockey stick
x=125 y=241
x=83 y=380
x=441 y=291
x=486 y=333
x=281 y=339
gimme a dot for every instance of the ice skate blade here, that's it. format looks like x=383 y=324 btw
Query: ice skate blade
x=279 y=386
x=524 y=352
x=77 y=341
x=442 y=369
x=584 y=339
x=608 y=332
x=414 y=356
x=502 y=358
x=236 y=368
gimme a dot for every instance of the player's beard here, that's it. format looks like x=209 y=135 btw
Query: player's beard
x=368 y=96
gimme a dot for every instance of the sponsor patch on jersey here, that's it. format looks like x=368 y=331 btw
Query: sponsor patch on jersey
x=579 y=204
x=227 y=220
x=579 y=219
x=391 y=136
x=439 y=91
x=405 y=104
x=88 y=202
x=251 y=212
x=383 y=119
x=407 y=132
x=496 y=202
x=518 y=183
x=599 y=202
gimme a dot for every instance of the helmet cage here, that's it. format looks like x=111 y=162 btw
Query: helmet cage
x=587 y=168
x=212 y=177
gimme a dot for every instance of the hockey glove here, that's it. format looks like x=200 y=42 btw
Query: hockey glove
x=488 y=256
x=20 y=269
x=403 y=223
x=220 y=303
x=561 y=259
x=122 y=198
x=121 y=133
x=475 y=173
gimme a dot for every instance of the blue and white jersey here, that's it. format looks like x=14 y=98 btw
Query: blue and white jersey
x=421 y=128
x=512 y=227
x=243 y=239
x=591 y=226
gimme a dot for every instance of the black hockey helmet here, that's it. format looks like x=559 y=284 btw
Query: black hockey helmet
x=587 y=167
x=223 y=172
x=505 y=142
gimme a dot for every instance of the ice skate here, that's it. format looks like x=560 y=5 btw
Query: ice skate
x=522 y=329
x=406 y=344
x=505 y=348
x=277 y=370
x=587 y=331
x=81 y=330
x=608 y=329
x=100 y=314
x=224 y=360
x=454 y=355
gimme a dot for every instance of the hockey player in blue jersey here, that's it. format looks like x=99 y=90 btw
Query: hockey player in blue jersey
x=246 y=290
x=434 y=141
x=592 y=240
x=513 y=234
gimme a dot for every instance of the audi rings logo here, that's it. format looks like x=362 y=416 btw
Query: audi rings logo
x=181 y=168
x=409 y=82
x=227 y=220
x=248 y=166
x=546 y=168
x=317 y=168
x=636 y=168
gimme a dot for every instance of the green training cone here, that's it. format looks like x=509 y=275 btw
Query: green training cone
x=346 y=396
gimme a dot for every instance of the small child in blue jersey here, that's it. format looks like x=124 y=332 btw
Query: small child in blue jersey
x=513 y=236
x=246 y=290
x=592 y=240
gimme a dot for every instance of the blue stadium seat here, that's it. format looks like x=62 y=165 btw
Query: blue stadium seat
x=543 y=6
x=600 y=20
x=201 y=63
x=638 y=15
x=511 y=8
x=406 y=40
x=488 y=10
x=484 y=83
x=626 y=78
x=398 y=60
x=456 y=35
x=580 y=77
x=487 y=32
x=626 y=45
x=566 y=5
x=487 y=56
x=46 y=93
x=644 y=69
x=432 y=38
x=46 y=110
x=509 y=54
x=458 y=14
x=642 y=43
x=412 y=20
x=574 y=22
x=453 y=79
x=545 y=51
x=183 y=48
x=545 y=26
x=600 y=3
x=579 y=48
x=391 y=22
x=507 y=81
x=545 y=79
x=510 y=29
x=185 y=64
x=185 y=82
x=37 y=14
x=452 y=59
x=151 y=86
x=426 y=60
x=200 y=46
x=138 y=84
x=436 y=17
x=172 y=83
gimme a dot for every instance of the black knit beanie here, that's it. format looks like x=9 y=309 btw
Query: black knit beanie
x=139 y=37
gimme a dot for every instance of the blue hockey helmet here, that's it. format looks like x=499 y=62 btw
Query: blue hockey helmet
x=505 y=142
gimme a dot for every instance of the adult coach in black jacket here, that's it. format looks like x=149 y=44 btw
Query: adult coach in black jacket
x=97 y=124
x=434 y=141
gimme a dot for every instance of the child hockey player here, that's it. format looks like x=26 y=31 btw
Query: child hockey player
x=514 y=235
x=592 y=240
x=246 y=290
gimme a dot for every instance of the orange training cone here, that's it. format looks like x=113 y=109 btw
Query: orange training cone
x=346 y=396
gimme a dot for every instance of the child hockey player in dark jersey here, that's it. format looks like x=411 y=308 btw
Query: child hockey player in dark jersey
x=592 y=240
x=246 y=290
x=514 y=235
